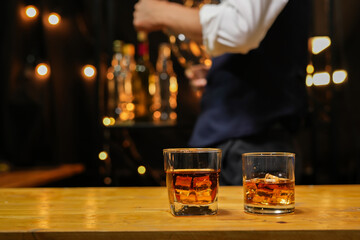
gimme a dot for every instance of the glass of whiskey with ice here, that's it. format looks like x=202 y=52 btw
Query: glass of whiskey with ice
x=269 y=182
x=192 y=180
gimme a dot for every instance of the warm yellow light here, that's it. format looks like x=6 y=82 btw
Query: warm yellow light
x=124 y=116
x=54 y=18
x=106 y=121
x=88 y=72
x=173 y=85
x=103 y=155
x=31 y=11
x=141 y=170
x=130 y=107
x=173 y=116
x=194 y=48
x=112 y=121
x=207 y=62
x=131 y=116
x=182 y=60
x=319 y=44
x=110 y=75
x=310 y=69
x=172 y=39
x=42 y=70
x=309 y=80
x=152 y=88
x=173 y=102
x=339 y=76
x=156 y=115
x=321 y=78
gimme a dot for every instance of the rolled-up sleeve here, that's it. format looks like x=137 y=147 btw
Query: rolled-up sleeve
x=237 y=25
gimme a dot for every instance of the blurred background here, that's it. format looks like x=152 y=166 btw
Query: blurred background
x=55 y=129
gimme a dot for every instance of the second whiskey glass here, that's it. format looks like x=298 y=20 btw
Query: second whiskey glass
x=269 y=182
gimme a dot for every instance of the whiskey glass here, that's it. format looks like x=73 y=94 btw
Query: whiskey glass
x=269 y=182
x=192 y=180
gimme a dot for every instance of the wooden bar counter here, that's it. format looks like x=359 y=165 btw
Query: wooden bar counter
x=322 y=212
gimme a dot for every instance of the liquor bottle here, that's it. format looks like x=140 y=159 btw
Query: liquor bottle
x=114 y=81
x=134 y=92
x=165 y=97
x=145 y=71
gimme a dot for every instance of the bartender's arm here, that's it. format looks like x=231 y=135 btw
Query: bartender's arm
x=231 y=26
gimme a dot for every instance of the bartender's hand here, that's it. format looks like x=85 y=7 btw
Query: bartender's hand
x=154 y=15
x=147 y=15
x=197 y=76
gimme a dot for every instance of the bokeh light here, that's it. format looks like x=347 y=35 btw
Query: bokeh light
x=339 y=76
x=141 y=170
x=319 y=44
x=54 y=19
x=88 y=72
x=103 y=155
x=31 y=11
x=42 y=71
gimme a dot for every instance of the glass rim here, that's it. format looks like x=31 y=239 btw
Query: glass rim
x=270 y=154
x=192 y=150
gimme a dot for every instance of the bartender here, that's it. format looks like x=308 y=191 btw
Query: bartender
x=255 y=96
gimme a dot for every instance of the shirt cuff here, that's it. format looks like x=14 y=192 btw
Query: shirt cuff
x=209 y=22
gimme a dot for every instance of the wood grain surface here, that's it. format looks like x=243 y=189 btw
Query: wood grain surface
x=39 y=177
x=322 y=212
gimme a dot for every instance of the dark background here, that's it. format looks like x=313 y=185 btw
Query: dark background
x=58 y=120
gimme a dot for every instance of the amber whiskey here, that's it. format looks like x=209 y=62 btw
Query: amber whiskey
x=269 y=192
x=195 y=189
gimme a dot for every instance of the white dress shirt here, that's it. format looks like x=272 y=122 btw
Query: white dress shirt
x=237 y=26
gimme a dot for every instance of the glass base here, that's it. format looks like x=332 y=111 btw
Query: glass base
x=273 y=210
x=179 y=209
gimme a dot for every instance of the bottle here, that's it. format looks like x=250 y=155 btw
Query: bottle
x=135 y=93
x=114 y=81
x=165 y=97
x=145 y=71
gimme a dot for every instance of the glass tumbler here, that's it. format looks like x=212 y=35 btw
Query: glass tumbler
x=192 y=180
x=269 y=182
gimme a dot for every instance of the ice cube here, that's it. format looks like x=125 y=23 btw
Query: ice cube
x=201 y=183
x=182 y=189
x=283 y=197
x=271 y=178
x=183 y=182
x=203 y=189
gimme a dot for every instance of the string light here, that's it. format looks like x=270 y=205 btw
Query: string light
x=31 y=11
x=54 y=19
x=88 y=72
x=42 y=71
